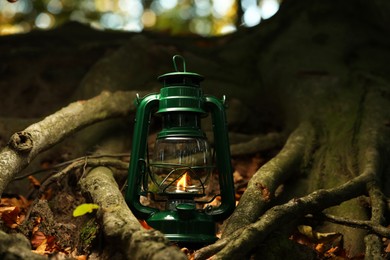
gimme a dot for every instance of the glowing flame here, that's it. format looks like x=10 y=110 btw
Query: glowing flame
x=182 y=183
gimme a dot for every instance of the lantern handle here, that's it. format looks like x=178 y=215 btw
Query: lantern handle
x=174 y=62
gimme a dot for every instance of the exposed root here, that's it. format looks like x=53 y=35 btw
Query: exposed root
x=257 y=144
x=86 y=162
x=374 y=143
x=119 y=224
x=262 y=186
x=24 y=146
x=16 y=246
x=239 y=243
x=257 y=232
x=363 y=224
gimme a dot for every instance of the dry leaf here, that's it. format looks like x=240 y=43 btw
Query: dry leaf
x=237 y=177
x=34 y=181
x=320 y=247
x=11 y=218
x=41 y=249
x=387 y=249
x=37 y=239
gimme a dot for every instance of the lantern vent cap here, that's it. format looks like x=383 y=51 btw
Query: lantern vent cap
x=182 y=78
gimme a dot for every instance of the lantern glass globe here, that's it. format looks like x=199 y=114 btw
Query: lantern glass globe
x=181 y=165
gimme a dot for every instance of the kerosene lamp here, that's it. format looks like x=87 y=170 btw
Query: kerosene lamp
x=182 y=163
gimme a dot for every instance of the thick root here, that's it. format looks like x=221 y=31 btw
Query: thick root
x=120 y=225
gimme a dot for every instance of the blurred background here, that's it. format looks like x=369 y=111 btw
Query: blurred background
x=201 y=17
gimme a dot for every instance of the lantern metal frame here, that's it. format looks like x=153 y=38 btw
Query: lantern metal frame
x=182 y=222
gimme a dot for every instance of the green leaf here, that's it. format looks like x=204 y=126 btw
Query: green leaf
x=84 y=208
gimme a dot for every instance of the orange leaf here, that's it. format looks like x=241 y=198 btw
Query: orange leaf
x=51 y=244
x=11 y=218
x=320 y=247
x=37 y=239
x=34 y=181
x=6 y=209
x=41 y=249
x=332 y=250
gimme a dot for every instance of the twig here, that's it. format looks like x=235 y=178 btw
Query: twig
x=83 y=162
x=363 y=224
x=63 y=164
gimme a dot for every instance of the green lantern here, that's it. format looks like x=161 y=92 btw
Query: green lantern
x=182 y=162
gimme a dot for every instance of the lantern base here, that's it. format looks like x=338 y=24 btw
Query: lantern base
x=185 y=226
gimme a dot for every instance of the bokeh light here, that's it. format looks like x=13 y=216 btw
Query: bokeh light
x=268 y=8
x=203 y=17
x=44 y=21
x=252 y=16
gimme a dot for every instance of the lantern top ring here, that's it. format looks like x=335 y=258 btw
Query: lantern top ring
x=183 y=61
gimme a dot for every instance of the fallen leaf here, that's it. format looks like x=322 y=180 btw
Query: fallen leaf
x=84 y=209
x=237 y=177
x=37 y=239
x=41 y=249
x=387 y=249
x=11 y=218
x=320 y=247
x=34 y=181
x=6 y=209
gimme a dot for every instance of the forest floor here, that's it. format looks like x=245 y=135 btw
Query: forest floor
x=45 y=216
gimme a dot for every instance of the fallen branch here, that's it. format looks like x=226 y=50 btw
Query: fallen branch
x=119 y=224
x=25 y=145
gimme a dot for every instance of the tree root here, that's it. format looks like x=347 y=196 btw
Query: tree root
x=257 y=144
x=83 y=162
x=255 y=233
x=16 y=246
x=262 y=186
x=373 y=151
x=363 y=224
x=375 y=142
x=120 y=225
x=27 y=144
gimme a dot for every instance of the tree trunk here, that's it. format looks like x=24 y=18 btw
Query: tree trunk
x=317 y=72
